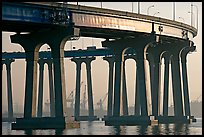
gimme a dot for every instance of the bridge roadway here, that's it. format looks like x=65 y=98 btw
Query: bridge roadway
x=92 y=21
x=152 y=39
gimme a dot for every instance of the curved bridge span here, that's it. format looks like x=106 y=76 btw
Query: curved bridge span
x=151 y=38
x=93 y=22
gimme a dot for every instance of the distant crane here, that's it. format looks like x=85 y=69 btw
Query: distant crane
x=70 y=98
x=101 y=101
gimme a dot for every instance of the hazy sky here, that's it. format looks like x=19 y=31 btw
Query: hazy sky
x=100 y=67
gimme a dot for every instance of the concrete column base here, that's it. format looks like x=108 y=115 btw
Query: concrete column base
x=39 y=123
x=86 y=118
x=127 y=120
x=175 y=119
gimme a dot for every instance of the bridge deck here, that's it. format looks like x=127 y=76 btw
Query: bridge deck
x=92 y=21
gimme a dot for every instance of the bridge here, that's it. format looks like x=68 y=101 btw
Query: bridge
x=151 y=38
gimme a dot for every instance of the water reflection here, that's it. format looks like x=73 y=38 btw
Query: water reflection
x=59 y=131
x=44 y=132
x=29 y=132
x=156 y=129
x=181 y=129
x=90 y=130
x=99 y=128
x=119 y=130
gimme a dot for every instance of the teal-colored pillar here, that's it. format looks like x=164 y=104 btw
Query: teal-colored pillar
x=30 y=43
x=176 y=82
x=8 y=62
x=89 y=85
x=184 y=54
x=40 y=91
x=52 y=95
x=117 y=85
x=110 y=85
x=124 y=93
x=166 y=83
x=78 y=80
x=142 y=84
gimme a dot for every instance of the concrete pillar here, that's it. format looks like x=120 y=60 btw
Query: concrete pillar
x=156 y=90
x=78 y=80
x=176 y=82
x=154 y=55
x=30 y=43
x=140 y=45
x=40 y=91
x=184 y=54
x=8 y=62
x=152 y=75
x=166 y=84
x=52 y=95
x=124 y=93
x=59 y=81
x=137 y=95
x=110 y=85
x=117 y=85
x=57 y=43
x=89 y=85
x=142 y=83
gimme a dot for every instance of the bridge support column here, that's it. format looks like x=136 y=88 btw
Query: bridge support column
x=140 y=45
x=117 y=110
x=154 y=58
x=173 y=49
x=137 y=96
x=124 y=93
x=89 y=86
x=166 y=84
x=142 y=85
x=91 y=116
x=31 y=43
x=30 y=46
x=52 y=95
x=78 y=80
x=59 y=80
x=110 y=85
x=8 y=62
x=152 y=70
x=40 y=91
x=184 y=53
x=176 y=82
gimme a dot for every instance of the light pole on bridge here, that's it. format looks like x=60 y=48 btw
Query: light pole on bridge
x=197 y=14
x=191 y=17
x=149 y=8
x=173 y=10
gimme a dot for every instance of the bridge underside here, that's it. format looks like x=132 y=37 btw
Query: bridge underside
x=22 y=26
